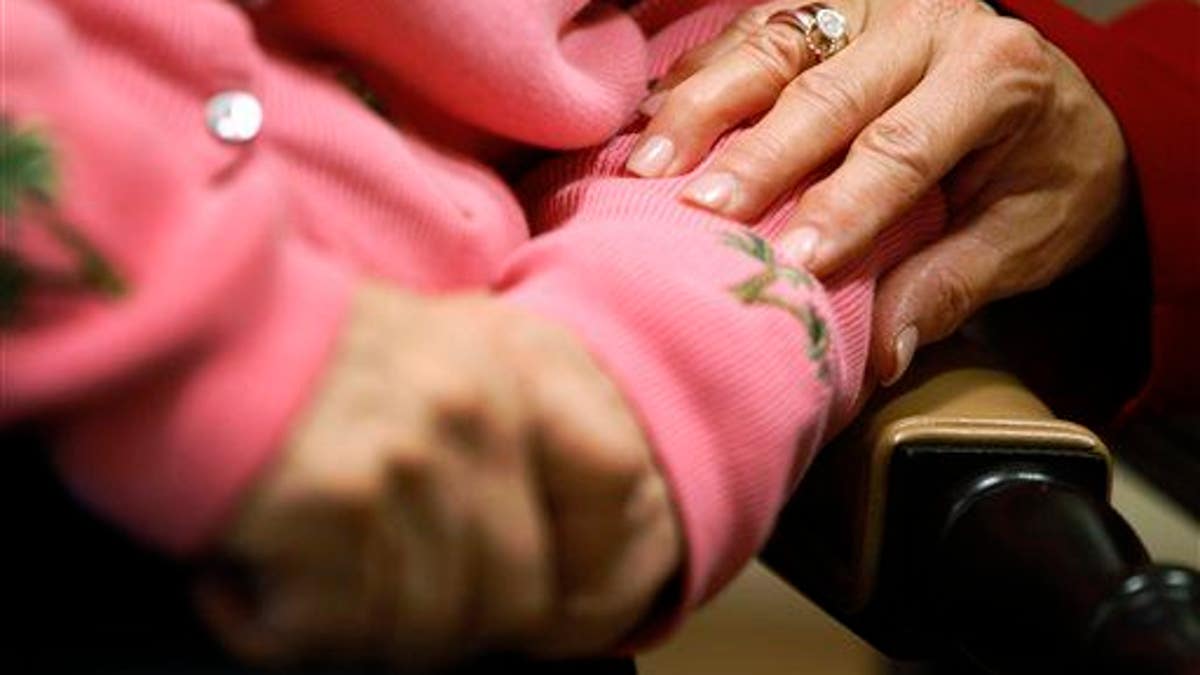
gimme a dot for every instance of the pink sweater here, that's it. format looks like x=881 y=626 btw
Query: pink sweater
x=240 y=257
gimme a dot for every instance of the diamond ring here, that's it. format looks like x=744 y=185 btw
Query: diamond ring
x=825 y=29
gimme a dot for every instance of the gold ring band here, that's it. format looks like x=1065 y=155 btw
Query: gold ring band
x=825 y=30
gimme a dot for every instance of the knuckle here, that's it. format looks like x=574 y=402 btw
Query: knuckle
x=595 y=450
x=901 y=146
x=408 y=464
x=689 y=99
x=466 y=426
x=1015 y=44
x=778 y=51
x=1014 y=65
x=458 y=414
x=756 y=156
x=606 y=454
x=625 y=462
x=1022 y=66
x=453 y=399
x=749 y=21
x=838 y=100
x=937 y=11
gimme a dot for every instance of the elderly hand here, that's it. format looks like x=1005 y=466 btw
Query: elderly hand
x=466 y=480
x=1031 y=160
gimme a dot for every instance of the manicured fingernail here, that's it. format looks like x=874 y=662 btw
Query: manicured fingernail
x=799 y=245
x=652 y=157
x=905 y=346
x=652 y=103
x=712 y=191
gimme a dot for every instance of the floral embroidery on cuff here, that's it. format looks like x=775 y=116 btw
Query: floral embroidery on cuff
x=755 y=290
x=28 y=185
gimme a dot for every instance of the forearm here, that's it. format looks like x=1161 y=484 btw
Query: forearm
x=737 y=364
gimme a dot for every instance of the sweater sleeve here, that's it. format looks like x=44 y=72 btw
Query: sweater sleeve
x=169 y=397
x=1146 y=65
x=738 y=363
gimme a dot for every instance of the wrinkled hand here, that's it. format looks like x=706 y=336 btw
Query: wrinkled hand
x=465 y=480
x=928 y=91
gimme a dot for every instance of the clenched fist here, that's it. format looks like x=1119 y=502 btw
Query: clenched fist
x=466 y=480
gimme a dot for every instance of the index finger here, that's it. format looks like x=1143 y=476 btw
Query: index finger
x=695 y=60
x=815 y=117
x=740 y=83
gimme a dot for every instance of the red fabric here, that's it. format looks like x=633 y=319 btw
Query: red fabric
x=1146 y=64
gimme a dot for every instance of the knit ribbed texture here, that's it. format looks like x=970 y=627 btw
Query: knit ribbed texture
x=734 y=405
x=171 y=400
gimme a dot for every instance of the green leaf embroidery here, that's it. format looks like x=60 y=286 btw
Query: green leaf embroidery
x=795 y=276
x=752 y=245
x=29 y=183
x=26 y=169
x=817 y=330
x=753 y=291
x=93 y=271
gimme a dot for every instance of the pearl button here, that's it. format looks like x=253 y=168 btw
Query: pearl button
x=234 y=116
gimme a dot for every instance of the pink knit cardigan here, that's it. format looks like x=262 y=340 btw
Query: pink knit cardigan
x=240 y=257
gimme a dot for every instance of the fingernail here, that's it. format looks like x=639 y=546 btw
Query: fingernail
x=799 y=245
x=712 y=191
x=905 y=346
x=652 y=157
x=652 y=103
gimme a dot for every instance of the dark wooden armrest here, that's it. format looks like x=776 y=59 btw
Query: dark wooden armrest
x=959 y=514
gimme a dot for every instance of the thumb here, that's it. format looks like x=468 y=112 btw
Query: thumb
x=928 y=296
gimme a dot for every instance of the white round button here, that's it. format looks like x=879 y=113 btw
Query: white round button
x=234 y=116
